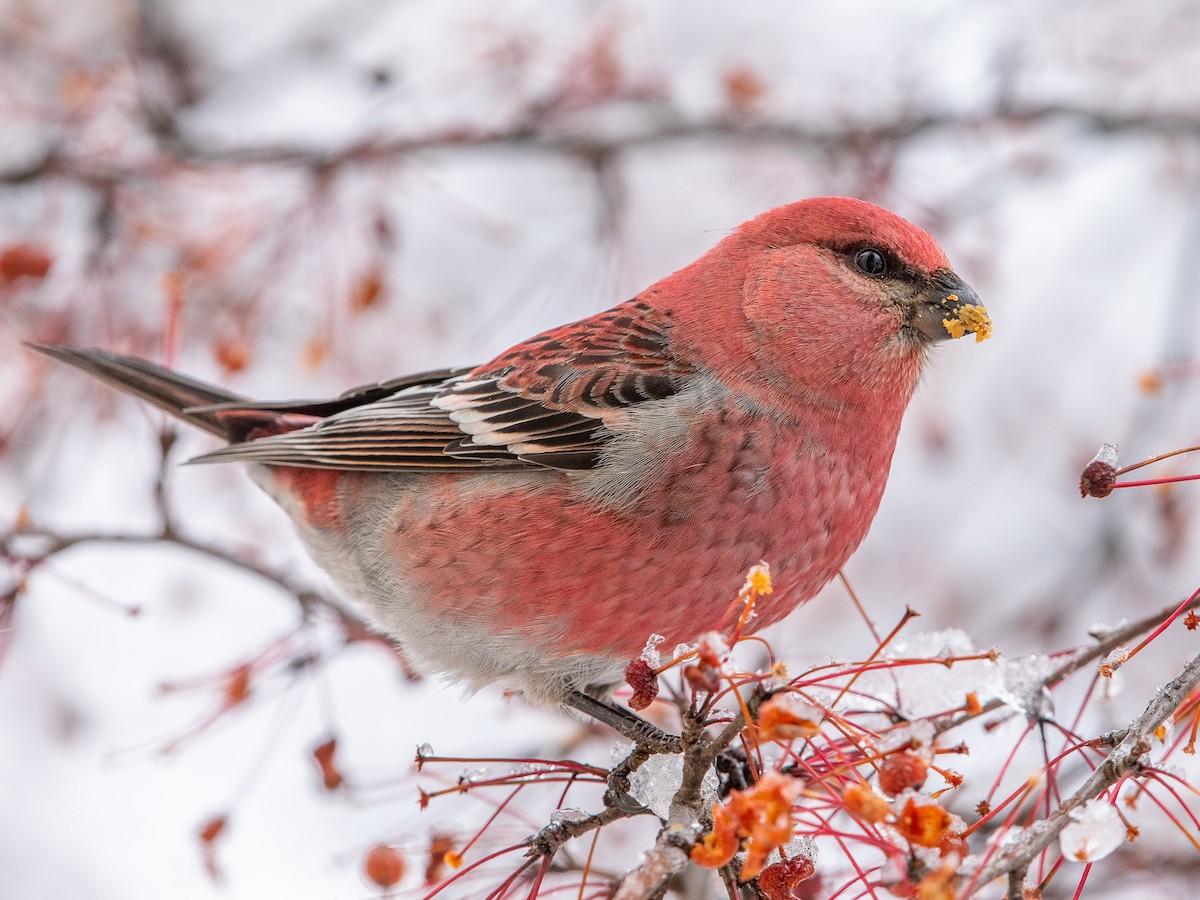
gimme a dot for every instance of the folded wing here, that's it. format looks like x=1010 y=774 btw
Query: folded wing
x=550 y=402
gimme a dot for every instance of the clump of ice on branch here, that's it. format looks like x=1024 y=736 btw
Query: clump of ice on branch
x=1095 y=830
x=656 y=781
x=927 y=689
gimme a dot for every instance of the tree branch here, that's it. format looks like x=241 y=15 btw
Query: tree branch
x=1124 y=759
x=530 y=133
x=672 y=848
x=53 y=544
x=1101 y=649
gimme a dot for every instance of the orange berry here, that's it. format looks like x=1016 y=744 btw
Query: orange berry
x=863 y=803
x=902 y=770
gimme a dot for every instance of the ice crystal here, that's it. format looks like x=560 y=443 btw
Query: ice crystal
x=1024 y=685
x=657 y=780
x=650 y=652
x=566 y=816
x=925 y=690
x=1095 y=830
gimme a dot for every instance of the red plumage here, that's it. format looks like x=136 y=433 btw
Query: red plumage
x=535 y=518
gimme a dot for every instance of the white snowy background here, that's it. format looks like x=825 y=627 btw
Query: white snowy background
x=1054 y=150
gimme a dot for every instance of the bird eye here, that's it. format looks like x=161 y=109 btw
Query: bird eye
x=871 y=261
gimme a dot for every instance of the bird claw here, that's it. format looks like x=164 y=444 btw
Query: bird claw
x=733 y=771
x=617 y=795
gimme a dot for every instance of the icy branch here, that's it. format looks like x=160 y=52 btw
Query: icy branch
x=1124 y=759
x=1103 y=647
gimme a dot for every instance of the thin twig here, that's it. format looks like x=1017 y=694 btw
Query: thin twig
x=55 y=544
x=1124 y=759
x=1102 y=648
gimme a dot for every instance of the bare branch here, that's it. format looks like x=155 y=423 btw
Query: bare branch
x=307 y=597
x=529 y=132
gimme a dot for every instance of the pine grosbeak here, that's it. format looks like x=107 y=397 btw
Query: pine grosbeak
x=533 y=519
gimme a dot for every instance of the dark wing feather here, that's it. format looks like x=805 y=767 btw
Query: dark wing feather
x=357 y=396
x=550 y=402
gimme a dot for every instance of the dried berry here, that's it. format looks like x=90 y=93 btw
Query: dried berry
x=1100 y=474
x=938 y=885
x=783 y=717
x=863 y=803
x=640 y=676
x=779 y=881
x=702 y=679
x=762 y=815
x=902 y=770
x=441 y=854
x=925 y=824
x=954 y=844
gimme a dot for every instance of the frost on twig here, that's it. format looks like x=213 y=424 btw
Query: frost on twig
x=1125 y=759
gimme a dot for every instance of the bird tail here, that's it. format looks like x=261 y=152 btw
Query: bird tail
x=178 y=395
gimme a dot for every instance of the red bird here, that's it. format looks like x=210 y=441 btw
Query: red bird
x=534 y=519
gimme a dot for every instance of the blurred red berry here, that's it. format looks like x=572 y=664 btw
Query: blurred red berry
x=331 y=775
x=743 y=88
x=384 y=865
x=237 y=688
x=232 y=354
x=439 y=846
x=367 y=292
x=24 y=261
x=211 y=830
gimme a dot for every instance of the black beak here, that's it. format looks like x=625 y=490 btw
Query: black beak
x=947 y=307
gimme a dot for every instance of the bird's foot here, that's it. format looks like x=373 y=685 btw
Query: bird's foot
x=617 y=795
x=733 y=771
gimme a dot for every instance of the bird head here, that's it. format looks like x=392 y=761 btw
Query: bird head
x=834 y=295
x=862 y=267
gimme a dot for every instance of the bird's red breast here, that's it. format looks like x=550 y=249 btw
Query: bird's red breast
x=542 y=560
